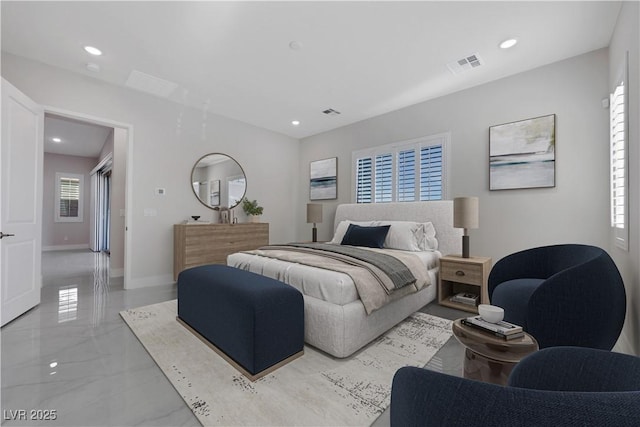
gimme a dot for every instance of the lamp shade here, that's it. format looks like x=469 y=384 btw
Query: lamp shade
x=314 y=213
x=465 y=212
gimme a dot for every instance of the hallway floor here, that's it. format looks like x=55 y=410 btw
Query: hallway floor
x=74 y=355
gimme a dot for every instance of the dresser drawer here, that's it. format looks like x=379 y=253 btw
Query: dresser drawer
x=201 y=244
x=461 y=272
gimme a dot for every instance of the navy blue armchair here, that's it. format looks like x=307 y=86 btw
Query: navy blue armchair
x=563 y=295
x=558 y=386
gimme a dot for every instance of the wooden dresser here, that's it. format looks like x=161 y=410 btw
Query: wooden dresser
x=201 y=244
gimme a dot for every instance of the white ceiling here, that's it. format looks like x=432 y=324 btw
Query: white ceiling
x=77 y=138
x=360 y=58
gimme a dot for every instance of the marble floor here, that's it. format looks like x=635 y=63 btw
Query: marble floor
x=72 y=357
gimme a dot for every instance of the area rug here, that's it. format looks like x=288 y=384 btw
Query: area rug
x=313 y=390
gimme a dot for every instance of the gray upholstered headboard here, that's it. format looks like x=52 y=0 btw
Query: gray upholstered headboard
x=440 y=213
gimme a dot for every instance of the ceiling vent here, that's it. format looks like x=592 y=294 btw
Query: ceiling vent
x=331 y=112
x=150 y=84
x=465 y=64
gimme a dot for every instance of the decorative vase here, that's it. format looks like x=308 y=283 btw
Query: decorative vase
x=254 y=218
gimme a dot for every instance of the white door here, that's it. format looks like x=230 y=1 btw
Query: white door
x=20 y=203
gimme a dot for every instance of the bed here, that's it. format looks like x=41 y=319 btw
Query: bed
x=337 y=320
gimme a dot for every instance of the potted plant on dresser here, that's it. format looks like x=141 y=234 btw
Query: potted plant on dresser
x=252 y=209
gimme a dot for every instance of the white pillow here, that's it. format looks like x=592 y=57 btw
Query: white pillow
x=430 y=242
x=341 y=229
x=404 y=235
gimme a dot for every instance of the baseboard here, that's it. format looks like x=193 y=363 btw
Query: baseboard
x=116 y=272
x=145 y=282
x=65 y=247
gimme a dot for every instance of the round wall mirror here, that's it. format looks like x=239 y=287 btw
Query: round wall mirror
x=218 y=181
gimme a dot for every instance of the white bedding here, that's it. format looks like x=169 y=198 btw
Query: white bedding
x=335 y=318
x=326 y=285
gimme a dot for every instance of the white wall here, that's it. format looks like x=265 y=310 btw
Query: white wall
x=118 y=201
x=116 y=145
x=626 y=38
x=65 y=235
x=163 y=158
x=107 y=148
x=576 y=210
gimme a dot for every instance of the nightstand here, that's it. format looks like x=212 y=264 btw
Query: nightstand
x=463 y=275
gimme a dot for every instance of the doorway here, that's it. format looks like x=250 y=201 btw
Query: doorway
x=106 y=186
x=21 y=205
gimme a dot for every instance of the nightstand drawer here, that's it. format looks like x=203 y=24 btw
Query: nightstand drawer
x=460 y=272
x=463 y=275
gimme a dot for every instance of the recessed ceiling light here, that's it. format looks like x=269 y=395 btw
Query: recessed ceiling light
x=93 y=50
x=56 y=140
x=93 y=67
x=295 y=45
x=508 y=43
x=295 y=122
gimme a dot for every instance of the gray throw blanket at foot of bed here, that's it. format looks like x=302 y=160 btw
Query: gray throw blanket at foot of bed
x=395 y=269
x=380 y=276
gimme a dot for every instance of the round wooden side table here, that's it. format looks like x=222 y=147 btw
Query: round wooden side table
x=489 y=358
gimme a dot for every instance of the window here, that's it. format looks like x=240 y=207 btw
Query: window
x=401 y=172
x=363 y=180
x=406 y=175
x=69 y=200
x=384 y=177
x=431 y=173
x=236 y=186
x=619 y=161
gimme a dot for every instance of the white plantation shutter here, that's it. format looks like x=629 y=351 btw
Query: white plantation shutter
x=363 y=180
x=406 y=176
x=402 y=172
x=69 y=196
x=384 y=174
x=431 y=173
x=619 y=172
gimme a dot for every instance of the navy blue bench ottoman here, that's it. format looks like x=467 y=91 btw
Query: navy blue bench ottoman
x=256 y=323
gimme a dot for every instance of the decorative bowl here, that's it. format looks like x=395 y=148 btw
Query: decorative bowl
x=491 y=313
x=195 y=217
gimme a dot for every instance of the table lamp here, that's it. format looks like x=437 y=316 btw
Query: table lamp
x=465 y=216
x=314 y=215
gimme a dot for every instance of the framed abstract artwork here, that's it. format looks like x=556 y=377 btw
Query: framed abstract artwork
x=522 y=154
x=323 y=179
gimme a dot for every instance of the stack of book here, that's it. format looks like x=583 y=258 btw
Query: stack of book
x=465 y=298
x=502 y=329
